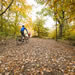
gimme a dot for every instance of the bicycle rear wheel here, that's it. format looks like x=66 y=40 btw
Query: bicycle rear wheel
x=26 y=39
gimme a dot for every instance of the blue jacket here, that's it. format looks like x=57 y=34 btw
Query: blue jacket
x=23 y=28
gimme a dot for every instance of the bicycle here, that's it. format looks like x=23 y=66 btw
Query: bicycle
x=21 y=39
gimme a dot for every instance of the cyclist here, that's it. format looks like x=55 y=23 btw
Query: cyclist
x=22 y=31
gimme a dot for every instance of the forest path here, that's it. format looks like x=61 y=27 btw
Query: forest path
x=38 y=57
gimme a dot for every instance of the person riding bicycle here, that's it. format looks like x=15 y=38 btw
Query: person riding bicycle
x=22 y=30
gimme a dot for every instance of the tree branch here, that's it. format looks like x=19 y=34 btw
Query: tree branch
x=6 y=8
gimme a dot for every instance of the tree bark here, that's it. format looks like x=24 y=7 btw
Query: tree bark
x=60 y=30
x=61 y=25
x=38 y=31
x=56 y=29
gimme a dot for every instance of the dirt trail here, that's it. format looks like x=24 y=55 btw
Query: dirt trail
x=38 y=57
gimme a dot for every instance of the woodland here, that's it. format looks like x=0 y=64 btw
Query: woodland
x=49 y=51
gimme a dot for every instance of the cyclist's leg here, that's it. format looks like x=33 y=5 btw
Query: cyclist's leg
x=22 y=36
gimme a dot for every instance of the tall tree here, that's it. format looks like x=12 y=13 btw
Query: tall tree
x=38 y=26
x=65 y=11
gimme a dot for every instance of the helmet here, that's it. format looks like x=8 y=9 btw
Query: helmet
x=22 y=25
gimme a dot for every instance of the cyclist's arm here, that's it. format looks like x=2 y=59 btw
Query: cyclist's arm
x=26 y=30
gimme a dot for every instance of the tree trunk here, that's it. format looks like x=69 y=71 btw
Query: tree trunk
x=56 y=29
x=38 y=32
x=62 y=20
x=60 y=30
x=61 y=25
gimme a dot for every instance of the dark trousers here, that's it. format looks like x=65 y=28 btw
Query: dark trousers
x=22 y=36
x=22 y=33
